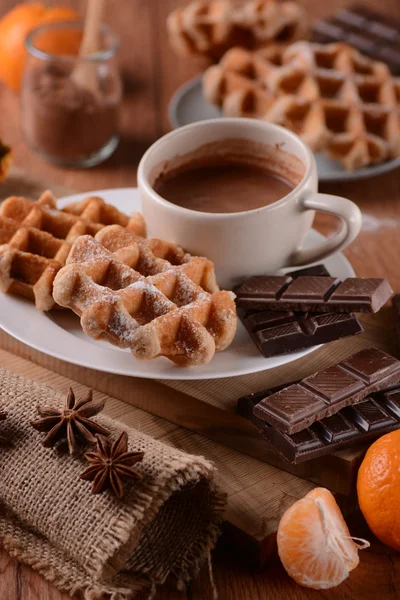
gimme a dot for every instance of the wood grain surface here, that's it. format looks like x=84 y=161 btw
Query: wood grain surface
x=151 y=74
x=208 y=407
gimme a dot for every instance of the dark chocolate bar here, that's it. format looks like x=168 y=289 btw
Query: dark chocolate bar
x=326 y=392
x=283 y=332
x=364 y=422
x=372 y=33
x=315 y=294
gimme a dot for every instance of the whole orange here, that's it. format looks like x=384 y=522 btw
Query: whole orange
x=14 y=27
x=378 y=488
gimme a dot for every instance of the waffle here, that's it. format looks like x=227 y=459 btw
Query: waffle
x=137 y=294
x=339 y=102
x=36 y=238
x=150 y=256
x=210 y=28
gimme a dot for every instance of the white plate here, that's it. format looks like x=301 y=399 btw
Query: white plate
x=59 y=333
x=189 y=105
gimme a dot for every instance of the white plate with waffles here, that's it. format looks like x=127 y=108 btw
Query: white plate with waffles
x=59 y=334
x=189 y=105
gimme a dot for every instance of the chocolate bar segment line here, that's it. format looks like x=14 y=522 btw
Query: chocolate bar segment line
x=323 y=394
x=364 y=422
x=315 y=294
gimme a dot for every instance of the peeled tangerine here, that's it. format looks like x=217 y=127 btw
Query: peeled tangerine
x=314 y=543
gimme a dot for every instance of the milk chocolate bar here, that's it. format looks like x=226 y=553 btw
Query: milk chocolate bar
x=370 y=32
x=325 y=393
x=313 y=293
x=361 y=423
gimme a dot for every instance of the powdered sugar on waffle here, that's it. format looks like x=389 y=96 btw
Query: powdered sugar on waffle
x=163 y=314
x=160 y=303
x=123 y=327
x=40 y=239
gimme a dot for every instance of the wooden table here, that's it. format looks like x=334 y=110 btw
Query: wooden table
x=151 y=73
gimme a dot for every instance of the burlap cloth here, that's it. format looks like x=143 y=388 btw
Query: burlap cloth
x=96 y=547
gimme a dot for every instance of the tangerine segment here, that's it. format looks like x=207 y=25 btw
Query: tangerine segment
x=378 y=488
x=314 y=543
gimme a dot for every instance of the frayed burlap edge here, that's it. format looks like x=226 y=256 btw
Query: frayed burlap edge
x=197 y=552
x=59 y=568
x=35 y=551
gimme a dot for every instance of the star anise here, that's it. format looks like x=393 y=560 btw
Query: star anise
x=4 y=441
x=110 y=464
x=72 y=425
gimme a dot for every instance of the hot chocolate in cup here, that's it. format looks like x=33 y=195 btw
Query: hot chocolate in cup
x=241 y=192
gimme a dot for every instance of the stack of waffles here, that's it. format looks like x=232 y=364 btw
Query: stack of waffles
x=145 y=294
x=340 y=102
x=36 y=238
x=209 y=28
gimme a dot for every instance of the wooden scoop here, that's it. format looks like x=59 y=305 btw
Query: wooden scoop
x=85 y=72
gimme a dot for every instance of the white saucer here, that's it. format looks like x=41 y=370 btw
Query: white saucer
x=59 y=333
x=189 y=105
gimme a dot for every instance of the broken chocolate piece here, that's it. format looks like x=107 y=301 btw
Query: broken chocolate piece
x=313 y=293
x=378 y=414
x=361 y=423
x=323 y=394
x=283 y=332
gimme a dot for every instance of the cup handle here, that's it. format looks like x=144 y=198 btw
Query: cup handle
x=346 y=210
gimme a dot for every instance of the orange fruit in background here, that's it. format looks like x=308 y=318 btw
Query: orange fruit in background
x=5 y=160
x=14 y=28
x=314 y=543
x=378 y=488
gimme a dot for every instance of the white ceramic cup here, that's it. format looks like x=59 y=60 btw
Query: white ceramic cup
x=254 y=242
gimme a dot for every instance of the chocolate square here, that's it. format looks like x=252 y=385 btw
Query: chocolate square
x=333 y=384
x=334 y=429
x=371 y=365
x=309 y=288
x=290 y=406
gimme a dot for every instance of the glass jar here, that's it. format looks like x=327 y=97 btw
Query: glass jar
x=70 y=104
